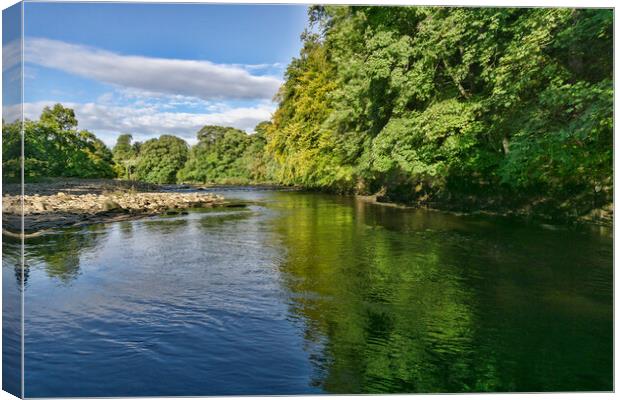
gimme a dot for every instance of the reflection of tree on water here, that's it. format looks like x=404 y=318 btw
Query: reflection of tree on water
x=218 y=218
x=392 y=304
x=126 y=229
x=22 y=275
x=376 y=299
x=11 y=255
x=60 y=252
x=11 y=315
x=165 y=225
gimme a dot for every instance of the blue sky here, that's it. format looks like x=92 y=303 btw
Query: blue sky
x=151 y=69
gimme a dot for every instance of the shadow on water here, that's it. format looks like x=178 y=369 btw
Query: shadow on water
x=308 y=293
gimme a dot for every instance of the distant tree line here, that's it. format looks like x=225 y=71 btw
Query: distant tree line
x=54 y=147
x=415 y=104
x=222 y=155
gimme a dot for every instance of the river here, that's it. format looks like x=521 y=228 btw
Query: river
x=304 y=293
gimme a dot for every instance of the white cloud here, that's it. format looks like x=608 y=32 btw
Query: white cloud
x=138 y=97
x=12 y=65
x=107 y=121
x=196 y=78
x=11 y=54
x=11 y=113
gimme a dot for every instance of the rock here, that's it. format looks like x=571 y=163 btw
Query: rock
x=111 y=205
x=39 y=206
x=52 y=208
x=236 y=205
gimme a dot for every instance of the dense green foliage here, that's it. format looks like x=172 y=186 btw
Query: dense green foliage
x=224 y=154
x=160 y=159
x=464 y=107
x=442 y=104
x=53 y=146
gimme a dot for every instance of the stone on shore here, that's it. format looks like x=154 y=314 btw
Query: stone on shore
x=111 y=205
x=152 y=202
x=52 y=209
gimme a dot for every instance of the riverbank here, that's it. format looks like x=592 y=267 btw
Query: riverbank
x=58 y=203
x=554 y=209
x=66 y=203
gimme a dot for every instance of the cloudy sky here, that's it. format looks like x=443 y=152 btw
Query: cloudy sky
x=151 y=69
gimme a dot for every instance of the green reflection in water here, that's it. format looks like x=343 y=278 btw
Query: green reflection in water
x=60 y=252
x=165 y=225
x=411 y=301
x=214 y=219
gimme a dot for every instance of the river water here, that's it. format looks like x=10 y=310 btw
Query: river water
x=307 y=293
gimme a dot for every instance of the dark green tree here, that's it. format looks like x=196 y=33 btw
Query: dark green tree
x=160 y=159
x=54 y=147
x=11 y=151
x=218 y=156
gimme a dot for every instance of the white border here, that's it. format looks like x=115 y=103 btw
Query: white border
x=472 y=3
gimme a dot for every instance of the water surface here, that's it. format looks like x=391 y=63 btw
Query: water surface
x=307 y=293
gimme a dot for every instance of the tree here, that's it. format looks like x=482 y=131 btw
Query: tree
x=11 y=151
x=259 y=165
x=307 y=150
x=59 y=117
x=437 y=104
x=54 y=147
x=125 y=156
x=160 y=159
x=218 y=156
x=99 y=158
x=122 y=149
